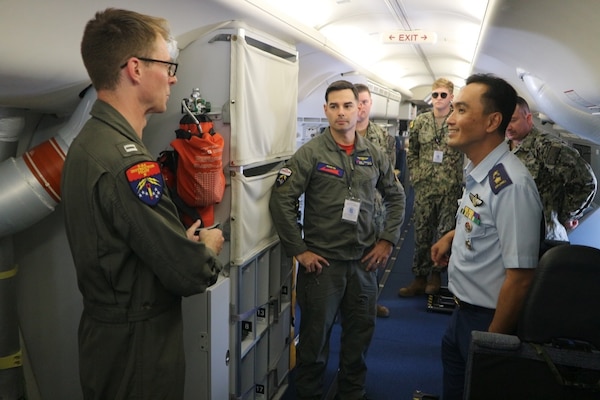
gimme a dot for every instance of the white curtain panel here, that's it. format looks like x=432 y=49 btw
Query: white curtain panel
x=263 y=104
x=251 y=225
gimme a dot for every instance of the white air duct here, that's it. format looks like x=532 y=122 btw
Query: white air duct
x=11 y=125
x=575 y=121
x=31 y=183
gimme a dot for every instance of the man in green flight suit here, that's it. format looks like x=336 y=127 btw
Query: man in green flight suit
x=133 y=257
x=338 y=250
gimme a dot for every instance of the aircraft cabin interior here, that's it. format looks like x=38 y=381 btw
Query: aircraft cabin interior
x=258 y=69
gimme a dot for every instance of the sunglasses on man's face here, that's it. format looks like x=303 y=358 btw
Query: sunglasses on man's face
x=436 y=94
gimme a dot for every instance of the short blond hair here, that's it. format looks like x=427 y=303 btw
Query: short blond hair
x=443 y=83
x=113 y=36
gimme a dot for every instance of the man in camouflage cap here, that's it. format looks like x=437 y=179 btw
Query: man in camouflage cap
x=436 y=174
x=565 y=181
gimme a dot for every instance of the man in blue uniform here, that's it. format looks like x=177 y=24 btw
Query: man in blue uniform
x=496 y=241
x=134 y=259
x=338 y=172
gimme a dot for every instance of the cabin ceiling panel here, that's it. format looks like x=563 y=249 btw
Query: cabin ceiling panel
x=550 y=38
x=357 y=28
x=547 y=41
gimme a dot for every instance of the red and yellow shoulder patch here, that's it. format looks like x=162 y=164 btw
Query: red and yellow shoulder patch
x=146 y=181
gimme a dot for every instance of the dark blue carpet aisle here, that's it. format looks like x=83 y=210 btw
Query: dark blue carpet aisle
x=405 y=352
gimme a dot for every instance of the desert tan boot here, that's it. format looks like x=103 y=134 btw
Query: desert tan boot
x=382 y=311
x=434 y=283
x=417 y=287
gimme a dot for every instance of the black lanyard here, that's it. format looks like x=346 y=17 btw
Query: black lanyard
x=439 y=135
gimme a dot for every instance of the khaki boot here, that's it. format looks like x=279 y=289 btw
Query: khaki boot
x=415 y=288
x=382 y=311
x=434 y=283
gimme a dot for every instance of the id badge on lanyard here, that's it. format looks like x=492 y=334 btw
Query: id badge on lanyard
x=351 y=210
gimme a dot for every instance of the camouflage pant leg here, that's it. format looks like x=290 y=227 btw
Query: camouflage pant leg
x=379 y=213
x=433 y=217
x=448 y=206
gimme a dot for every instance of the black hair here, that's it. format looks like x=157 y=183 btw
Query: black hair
x=340 y=85
x=500 y=96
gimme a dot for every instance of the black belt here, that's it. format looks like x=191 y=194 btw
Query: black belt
x=115 y=314
x=466 y=306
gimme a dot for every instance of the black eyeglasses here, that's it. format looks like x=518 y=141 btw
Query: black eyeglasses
x=434 y=94
x=172 y=66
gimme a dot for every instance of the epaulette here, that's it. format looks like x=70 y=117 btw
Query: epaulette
x=128 y=149
x=498 y=178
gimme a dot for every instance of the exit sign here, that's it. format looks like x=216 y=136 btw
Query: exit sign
x=408 y=37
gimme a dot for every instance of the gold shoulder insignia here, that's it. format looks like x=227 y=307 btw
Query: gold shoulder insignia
x=498 y=178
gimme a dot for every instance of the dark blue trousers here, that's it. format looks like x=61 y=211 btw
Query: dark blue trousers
x=455 y=347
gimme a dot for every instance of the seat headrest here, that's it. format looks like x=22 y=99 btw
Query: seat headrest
x=563 y=298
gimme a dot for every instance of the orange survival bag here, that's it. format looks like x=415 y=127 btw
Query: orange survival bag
x=193 y=171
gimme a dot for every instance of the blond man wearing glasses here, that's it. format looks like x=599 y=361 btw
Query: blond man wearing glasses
x=133 y=257
x=436 y=175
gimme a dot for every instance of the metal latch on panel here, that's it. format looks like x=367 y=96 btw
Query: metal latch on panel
x=204 y=341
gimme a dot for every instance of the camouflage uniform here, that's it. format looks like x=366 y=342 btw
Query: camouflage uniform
x=566 y=182
x=375 y=134
x=437 y=186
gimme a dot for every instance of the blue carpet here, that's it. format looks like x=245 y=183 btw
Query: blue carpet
x=405 y=352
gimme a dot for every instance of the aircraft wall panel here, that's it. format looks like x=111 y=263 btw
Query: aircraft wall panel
x=379 y=108
x=241 y=72
x=393 y=109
